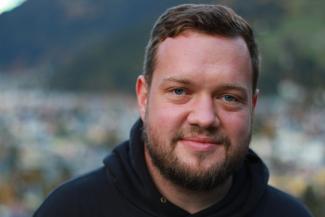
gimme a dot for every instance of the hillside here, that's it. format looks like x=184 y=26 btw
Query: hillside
x=98 y=44
x=46 y=30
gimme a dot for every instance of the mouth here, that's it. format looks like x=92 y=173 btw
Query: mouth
x=201 y=144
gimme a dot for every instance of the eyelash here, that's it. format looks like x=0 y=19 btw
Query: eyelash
x=233 y=98
x=174 y=91
x=181 y=93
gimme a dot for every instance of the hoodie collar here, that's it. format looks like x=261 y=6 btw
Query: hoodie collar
x=131 y=177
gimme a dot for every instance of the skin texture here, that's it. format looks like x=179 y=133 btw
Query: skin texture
x=197 y=115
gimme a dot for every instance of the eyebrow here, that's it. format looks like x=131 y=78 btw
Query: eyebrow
x=227 y=86
x=177 y=80
x=233 y=87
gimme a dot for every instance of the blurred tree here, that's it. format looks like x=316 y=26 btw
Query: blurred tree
x=293 y=49
x=100 y=46
x=314 y=201
x=107 y=65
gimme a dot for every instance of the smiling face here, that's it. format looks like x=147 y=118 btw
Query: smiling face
x=198 y=109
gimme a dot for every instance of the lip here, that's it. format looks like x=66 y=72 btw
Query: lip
x=200 y=144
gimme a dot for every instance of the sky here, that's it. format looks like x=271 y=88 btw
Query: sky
x=7 y=5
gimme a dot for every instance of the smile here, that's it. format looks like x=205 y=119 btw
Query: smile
x=200 y=144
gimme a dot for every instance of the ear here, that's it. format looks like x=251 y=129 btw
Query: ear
x=255 y=96
x=142 y=95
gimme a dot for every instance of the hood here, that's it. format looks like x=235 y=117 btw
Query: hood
x=127 y=167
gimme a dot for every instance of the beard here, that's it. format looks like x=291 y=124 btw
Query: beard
x=180 y=173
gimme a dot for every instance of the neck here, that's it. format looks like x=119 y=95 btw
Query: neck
x=191 y=201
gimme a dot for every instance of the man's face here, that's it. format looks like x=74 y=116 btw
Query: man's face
x=197 y=112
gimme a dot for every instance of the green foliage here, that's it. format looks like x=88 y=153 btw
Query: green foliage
x=107 y=65
x=314 y=201
x=290 y=36
x=294 y=49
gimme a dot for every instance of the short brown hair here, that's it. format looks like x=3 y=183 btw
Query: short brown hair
x=209 y=19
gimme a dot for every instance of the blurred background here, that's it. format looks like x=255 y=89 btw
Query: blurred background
x=67 y=75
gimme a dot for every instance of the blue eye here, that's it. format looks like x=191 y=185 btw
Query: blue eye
x=230 y=98
x=179 y=91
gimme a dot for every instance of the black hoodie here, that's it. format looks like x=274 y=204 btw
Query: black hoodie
x=123 y=188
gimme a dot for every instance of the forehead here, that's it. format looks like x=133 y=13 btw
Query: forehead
x=199 y=55
x=189 y=41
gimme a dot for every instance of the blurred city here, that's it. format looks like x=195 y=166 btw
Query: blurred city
x=67 y=78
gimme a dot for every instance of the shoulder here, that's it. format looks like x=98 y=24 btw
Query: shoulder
x=278 y=203
x=72 y=196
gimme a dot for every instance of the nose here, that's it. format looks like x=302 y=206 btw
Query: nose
x=203 y=113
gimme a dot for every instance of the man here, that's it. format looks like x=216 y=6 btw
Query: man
x=189 y=154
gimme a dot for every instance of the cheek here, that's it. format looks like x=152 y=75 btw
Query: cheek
x=237 y=124
x=165 y=115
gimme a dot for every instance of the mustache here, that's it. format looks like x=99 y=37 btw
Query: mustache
x=195 y=131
